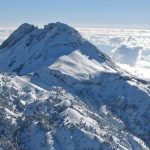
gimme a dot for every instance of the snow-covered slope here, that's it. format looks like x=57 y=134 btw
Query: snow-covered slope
x=67 y=95
x=30 y=48
x=33 y=118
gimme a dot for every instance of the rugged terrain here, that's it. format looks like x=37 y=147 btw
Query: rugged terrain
x=59 y=92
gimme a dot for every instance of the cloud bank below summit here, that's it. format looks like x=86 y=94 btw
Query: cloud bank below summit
x=129 y=48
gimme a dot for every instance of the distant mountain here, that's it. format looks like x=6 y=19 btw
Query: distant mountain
x=59 y=92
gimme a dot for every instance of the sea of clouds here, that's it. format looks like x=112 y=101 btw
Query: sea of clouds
x=129 y=48
x=4 y=33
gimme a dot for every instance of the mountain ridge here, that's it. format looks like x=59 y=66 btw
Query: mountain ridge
x=43 y=44
x=58 y=91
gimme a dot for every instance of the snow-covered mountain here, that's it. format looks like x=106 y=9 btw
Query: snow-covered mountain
x=29 y=48
x=59 y=92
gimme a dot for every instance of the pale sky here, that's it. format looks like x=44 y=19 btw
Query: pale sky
x=79 y=13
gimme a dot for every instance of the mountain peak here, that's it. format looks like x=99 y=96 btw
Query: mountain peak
x=60 y=26
x=63 y=32
x=29 y=48
x=17 y=35
x=25 y=26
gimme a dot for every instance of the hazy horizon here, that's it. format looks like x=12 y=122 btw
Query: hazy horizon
x=85 y=13
x=11 y=27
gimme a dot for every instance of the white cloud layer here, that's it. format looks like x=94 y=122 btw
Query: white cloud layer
x=130 y=49
x=126 y=54
x=4 y=33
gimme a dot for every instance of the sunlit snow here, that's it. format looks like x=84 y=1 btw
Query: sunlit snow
x=129 y=48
